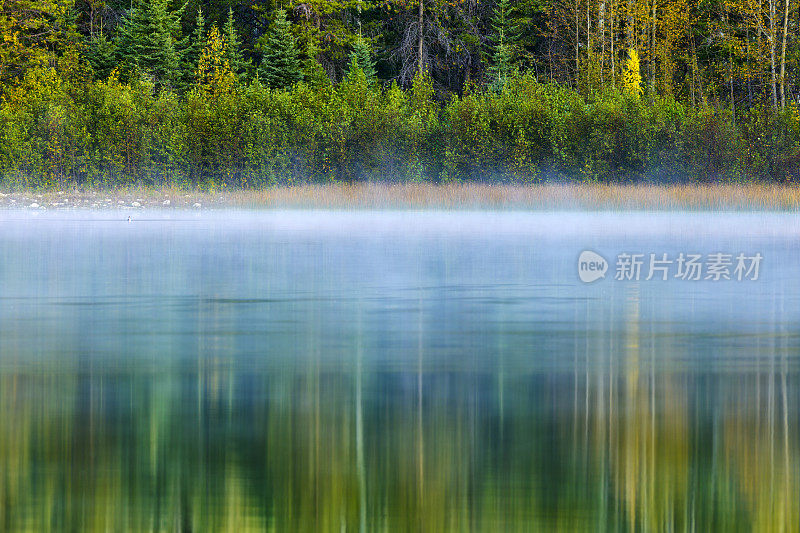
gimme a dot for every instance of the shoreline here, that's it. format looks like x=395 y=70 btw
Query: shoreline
x=453 y=196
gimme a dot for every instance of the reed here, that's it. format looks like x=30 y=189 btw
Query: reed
x=583 y=196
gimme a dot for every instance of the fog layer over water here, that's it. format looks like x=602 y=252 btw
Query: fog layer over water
x=313 y=370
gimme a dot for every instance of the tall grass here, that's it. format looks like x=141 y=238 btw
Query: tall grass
x=585 y=196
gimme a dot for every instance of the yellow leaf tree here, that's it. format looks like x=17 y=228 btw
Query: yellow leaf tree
x=214 y=73
x=632 y=79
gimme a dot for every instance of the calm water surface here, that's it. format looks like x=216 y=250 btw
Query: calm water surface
x=322 y=371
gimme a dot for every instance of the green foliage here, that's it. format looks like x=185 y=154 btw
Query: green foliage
x=193 y=49
x=119 y=128
x=139 y=101
x=56 y=130
x=44 y=131
x=313 y=73
x=233 y=49
x=280 y=68
x=361 y=59
x=31 y=30
x=147 y=42
x=506 y=32
x=102 y=56
x=334 y=26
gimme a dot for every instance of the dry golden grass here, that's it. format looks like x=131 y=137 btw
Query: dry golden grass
x=429 y=196
x=547 y=196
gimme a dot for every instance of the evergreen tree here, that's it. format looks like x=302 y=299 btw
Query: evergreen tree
x=313 y=73
x=361 y=57
x=233 y=48
x=193 y=49
x=147 y=42
x=280 y=67
x=505 y=35
x=101 y=56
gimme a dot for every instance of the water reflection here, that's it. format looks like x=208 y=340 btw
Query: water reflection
x=444 y=400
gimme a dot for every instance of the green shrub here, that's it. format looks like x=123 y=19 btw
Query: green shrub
x=111 y=133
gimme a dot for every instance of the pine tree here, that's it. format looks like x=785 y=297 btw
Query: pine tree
x=506 y=34
x=280 y=67
x=147 y=42
x=233 y=48
x=101 y=56
x=361 y=57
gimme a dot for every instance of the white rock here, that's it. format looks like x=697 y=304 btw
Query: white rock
x=197 y=206
x=34 y=205
x=136 y=204
x=165 y=202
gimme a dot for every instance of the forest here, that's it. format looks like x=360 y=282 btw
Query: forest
x=206 y=93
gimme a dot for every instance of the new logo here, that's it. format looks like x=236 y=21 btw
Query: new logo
x=591 y=266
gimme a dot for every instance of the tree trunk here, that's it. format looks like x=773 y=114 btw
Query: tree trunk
x=772 y=36
x=730 y=72
x=601 y=31
x=653 y=50
x=577 y=42
x=613 y=57
x=695 y=86
x=631 y=38
x=783 y=53
x=420 y=21
x=749 y=74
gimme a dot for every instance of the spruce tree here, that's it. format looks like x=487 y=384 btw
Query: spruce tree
x=505 y=35
x=101 y=56
x=233 y=48
x=147 y=42
x=313 y=73
x=361 y=57
x=192 y=51
x=280 y=67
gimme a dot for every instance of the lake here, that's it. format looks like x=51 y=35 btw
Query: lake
x=398 y=370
